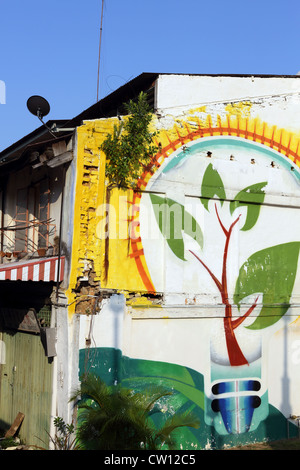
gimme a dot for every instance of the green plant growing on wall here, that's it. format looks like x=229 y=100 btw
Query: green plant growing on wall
x=118 y=418
x=130 y=147
x=270 y=272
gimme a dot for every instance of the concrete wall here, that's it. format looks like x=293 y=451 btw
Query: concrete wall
x=206 y=301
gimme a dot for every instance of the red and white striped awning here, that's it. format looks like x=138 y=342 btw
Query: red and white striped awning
x=45 y=269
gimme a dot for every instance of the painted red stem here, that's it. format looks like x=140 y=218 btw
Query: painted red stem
x=235 y=354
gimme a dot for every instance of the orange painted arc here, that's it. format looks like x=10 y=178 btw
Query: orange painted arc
x=189 y=135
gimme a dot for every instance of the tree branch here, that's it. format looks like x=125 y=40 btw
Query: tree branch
x=220 y=222
x=217 y=282
x=224 y=270
x=239 y=321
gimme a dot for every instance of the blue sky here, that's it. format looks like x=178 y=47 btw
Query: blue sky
x=51 y=48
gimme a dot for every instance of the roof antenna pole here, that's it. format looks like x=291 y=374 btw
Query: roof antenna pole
x=100 y=40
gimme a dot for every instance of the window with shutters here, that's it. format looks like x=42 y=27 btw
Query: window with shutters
x=21 y=220
x=32 y=225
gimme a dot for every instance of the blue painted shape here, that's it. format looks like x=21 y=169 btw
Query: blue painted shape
x=232 y=144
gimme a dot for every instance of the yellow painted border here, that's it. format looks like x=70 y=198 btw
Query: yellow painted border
x=128 y=269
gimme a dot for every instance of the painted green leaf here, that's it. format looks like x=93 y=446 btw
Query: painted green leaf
x=172 y=219
x=212 y=185
x=252 y=197
x=272 y=273
x=139 y=373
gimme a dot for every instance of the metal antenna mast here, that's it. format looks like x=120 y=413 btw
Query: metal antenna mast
x=99 y=50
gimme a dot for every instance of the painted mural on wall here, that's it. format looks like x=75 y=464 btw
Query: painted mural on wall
x=187 y=386
x=215 y=229
x=224 y=230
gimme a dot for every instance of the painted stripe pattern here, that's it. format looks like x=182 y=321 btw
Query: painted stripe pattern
x=40 y=270
x=236 y=402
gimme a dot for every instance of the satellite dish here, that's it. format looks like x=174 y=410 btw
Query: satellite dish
x=38 y=106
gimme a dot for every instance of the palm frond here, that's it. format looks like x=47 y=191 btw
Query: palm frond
x=114 y=417
x=177 y=420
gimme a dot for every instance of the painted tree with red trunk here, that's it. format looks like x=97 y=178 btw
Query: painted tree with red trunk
x=269 y=273
x=236 y=357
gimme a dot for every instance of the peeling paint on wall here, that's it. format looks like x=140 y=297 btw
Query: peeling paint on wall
x=242 y=109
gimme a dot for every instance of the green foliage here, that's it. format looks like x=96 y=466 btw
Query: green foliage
x=212 y=185
x=272 y=272
x=8 y=442
x=117 y=418
x=129 y=148
x=172 y=220
x=64 y=436
x=252 y=197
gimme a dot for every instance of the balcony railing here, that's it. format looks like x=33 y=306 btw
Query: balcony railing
x=30 y=238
